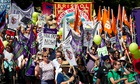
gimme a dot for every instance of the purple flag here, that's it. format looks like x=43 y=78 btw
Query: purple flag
x=18 y=49
x=128 y=40
x=118 y=46
x=136 y=16
x=103 y=43
x=22 y=38
x=32 y=43
x=2 y=20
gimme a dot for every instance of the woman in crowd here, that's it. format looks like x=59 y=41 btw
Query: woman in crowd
x=91 y=58
x=46 y=71
x=65 y=76
x=8 y=68
x=29 y=70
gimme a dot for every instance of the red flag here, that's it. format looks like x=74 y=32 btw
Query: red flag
x=1 y=47
x=78 y=21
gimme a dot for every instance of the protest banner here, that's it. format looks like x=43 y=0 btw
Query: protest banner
x=13 y=21
x=88 y=24
x=41 y=20
x=67 y=9
x=102 y=51
x=5 y=5
x=10 y=32
x=88 y=37
x=113 y=40
x=40 y=39
x=22 y=13
x=69 y=54
x=47 y=8
x=49 y=38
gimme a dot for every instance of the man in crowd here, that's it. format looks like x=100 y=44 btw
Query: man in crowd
x=103 y=71
x=114 y=76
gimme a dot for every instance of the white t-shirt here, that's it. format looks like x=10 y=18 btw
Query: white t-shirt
x=8 y=55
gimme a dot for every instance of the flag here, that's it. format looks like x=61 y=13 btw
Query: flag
x=113 y=24
x=125 y=19
x=99 y=20
x=101 y=60
x=106 y=22
x=22 y=38
x=103 y=43
x=118 y=46
x=18 y=49
x=131 y=28
x=108 y=12
x=1 y=47
x=32 y=42
x=47 y=8
x=28 y=65
x=99 y=14
x=136 y=14
x=119 y=18
x=2 y=20
x=128 y=39
x=77 y=21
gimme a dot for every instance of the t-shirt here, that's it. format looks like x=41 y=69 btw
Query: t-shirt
x=131 y=77
x=102 y=75
x=8 y=55
x=47 y=71
x=62 y=78
x=9 y=63
x=113 y=74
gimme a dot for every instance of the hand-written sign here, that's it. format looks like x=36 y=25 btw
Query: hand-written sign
x=49 y=38
x=102 y=51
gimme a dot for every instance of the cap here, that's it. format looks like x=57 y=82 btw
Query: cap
x=123 y=59
x=105 y=57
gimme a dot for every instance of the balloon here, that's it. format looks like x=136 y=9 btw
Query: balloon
x=58 y=33
x=61 y=30
x=133 y=48
x=97 y=39
x=137 y=54
x=5 y=43
x=35 y=17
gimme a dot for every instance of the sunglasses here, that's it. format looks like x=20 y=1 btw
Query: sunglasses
x=45 y=56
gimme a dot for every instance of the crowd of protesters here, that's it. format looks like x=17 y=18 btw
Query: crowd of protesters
x=49 y=66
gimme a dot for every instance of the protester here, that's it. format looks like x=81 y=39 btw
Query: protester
x=114 y=76
x=131 y=75
x=47 y=71
x=103 y=71
x=64 y=76
x=29 y=70
x=8 y=68
x=35 y=54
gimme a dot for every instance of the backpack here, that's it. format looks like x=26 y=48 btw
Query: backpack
x=137 y=78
